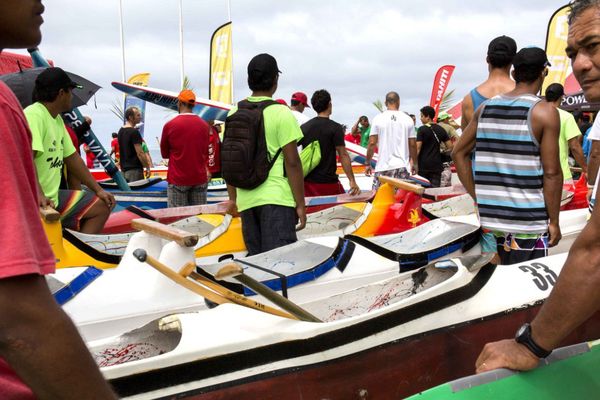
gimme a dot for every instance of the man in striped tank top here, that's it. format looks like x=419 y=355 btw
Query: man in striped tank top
x=517 y=179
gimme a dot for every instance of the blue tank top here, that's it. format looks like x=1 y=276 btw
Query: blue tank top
x=477 y=99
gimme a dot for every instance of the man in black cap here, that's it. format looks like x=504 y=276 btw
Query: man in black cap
x=53 y=148
x=575 y=296
x=270 y=211
x=500 y=54
x=515 y=178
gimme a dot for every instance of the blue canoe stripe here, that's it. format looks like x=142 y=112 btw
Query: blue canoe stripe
x=79 y=283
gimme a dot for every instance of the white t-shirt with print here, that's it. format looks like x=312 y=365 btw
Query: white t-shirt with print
x=393 y=129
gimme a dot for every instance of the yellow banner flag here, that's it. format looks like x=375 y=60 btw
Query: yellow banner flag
x=139 y=79
x=556 y=42
x=221 y=65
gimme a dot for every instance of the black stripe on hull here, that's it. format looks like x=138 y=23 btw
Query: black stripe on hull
x=409 y=262
x=89 y=250
x=229 y=363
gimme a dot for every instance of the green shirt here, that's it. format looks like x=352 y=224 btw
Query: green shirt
x=568 y=131
x=364 y=135
x=281 y=128
x=51 y=144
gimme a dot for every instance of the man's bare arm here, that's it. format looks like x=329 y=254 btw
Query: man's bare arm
x=414 y=158
x=466 y=112
x=577 y=152
x=61 y=368
x=461 y=154
x=293 y=168
x=545 y=117
x=347 y=167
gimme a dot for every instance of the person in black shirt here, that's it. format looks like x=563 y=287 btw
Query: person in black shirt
x=429 y=137
x=323 y=180
x=133 y=159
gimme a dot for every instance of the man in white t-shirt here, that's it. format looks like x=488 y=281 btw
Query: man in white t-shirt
x=298 y=103
x=393 y=132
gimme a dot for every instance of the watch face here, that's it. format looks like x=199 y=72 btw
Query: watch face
x=521 y=331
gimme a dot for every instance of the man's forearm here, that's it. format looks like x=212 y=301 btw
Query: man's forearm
x=576 y=296
x=76 y=167
x=553 y=182
x=462 y=163
x=296 y=179
x=594 y=162
x=577 y=152
x=370 y=152
x=347 y=165
x=33 y=353
x=412 y=149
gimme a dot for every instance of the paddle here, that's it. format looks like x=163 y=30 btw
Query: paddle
x=211 y=290
x=49 y=214
x=400 y=184
x=235 y=271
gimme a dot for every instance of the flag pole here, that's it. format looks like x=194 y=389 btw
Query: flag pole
x=229 y=17
x=122 y=41
x=181 y=40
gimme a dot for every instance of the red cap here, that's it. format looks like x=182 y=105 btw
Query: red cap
x=301 y=98
x=282 y=101
x=187 y=96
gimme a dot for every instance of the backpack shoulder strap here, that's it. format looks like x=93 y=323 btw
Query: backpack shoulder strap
x=253 y=105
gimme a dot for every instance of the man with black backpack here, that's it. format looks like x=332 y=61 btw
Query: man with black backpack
x=261 y=165
x=429 y=138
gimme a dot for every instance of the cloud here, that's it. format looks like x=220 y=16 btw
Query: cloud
x=358 y=50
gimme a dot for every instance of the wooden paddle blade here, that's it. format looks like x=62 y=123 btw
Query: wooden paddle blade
x=183 y=238
x=229 y=270
x=400 y=184
x=187 y=269
x=49 y=214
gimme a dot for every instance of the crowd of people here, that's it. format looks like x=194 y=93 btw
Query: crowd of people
x=511 y=158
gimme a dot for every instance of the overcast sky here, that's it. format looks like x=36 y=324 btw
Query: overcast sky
x=357 y=50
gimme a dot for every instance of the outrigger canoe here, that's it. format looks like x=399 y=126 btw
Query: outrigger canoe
x=220 y=234
x=385 y=339
x=302 y=271
x=570 y=372
x=120 y=221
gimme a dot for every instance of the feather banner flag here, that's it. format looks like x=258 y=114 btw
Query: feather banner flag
x=440 y=84
x=141 y=79
x=221 y=65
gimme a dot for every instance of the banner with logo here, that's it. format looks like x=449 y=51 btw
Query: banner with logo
x=141 y=79
x=440 y=84
x=556 y=42
x=221 y=65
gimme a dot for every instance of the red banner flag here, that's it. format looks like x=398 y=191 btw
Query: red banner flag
x=440 y=84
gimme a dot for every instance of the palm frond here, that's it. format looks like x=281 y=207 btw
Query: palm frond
x=447 y=100
x=117 y=109
x=379 y=105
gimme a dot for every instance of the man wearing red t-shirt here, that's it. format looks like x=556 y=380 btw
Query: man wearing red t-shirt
x=47 y=357
x=184 y=142
x=114 y=147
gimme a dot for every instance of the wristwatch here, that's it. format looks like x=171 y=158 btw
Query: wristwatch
x=523 y=336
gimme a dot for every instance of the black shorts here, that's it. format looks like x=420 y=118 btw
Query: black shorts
x=268 y=227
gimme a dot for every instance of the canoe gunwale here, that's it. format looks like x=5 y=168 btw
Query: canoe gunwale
x=339 y=258
x=409 y=261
